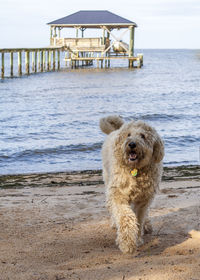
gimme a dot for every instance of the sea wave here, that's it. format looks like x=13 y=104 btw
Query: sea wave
x=164 y=117
x=180 y=141
x=55 y=151
x=180 y=163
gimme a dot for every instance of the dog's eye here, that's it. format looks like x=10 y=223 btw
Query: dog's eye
x=129 y=135
x=142 y=135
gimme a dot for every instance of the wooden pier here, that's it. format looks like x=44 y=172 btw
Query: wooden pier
x=79 y=51
x=49 y=59
x=36 y=60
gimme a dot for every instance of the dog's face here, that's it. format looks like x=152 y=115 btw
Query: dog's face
x=138 y=144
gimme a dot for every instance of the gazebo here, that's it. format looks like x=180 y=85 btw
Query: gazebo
x=103 y=46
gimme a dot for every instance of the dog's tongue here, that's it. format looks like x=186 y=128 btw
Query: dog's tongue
x=133 y=155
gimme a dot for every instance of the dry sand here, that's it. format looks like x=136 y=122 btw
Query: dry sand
x=56 y=227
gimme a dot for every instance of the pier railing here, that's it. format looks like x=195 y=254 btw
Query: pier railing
x=43 y=59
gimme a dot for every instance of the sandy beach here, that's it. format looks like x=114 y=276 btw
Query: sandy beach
x=56 y=227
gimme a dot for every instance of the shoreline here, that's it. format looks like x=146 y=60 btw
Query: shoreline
x=87 y=177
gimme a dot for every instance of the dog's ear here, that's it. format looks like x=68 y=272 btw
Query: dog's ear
x=110 y=124
x=158 y=149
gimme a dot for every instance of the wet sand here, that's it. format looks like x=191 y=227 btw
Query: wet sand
x=55 y=226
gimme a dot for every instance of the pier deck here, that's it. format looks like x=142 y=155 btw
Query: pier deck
x=74 y=61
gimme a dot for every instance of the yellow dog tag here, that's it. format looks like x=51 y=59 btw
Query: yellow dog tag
x=134 y=172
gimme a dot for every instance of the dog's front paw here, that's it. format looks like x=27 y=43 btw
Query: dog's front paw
x=127 y=234
x=126 y=247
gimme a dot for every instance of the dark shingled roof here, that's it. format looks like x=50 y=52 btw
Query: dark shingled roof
x=92 y=18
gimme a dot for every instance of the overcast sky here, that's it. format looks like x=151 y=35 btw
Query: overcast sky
x=161 y=23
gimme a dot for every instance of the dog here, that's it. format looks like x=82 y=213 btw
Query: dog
x=132 y=168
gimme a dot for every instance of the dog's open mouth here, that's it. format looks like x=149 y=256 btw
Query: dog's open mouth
x=132 y=156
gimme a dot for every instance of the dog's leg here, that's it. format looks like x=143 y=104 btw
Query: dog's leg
x=125 y=220
x=141 y=210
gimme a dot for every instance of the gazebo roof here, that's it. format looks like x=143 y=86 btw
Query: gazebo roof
x=93 y=19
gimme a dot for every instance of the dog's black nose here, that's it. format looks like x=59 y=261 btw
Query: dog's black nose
x=132 y=145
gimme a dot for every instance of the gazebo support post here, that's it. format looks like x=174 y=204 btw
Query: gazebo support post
x=51 y=35
x=108 y=38
x=76 y=32
x=131 y=46
x=131 y=43
x=103 y=36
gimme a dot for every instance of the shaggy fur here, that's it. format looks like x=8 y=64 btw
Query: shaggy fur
x=129 y=146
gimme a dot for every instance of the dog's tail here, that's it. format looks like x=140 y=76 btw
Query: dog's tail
x=110 y=124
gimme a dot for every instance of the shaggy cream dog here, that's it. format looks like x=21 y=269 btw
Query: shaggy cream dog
x=132 y=167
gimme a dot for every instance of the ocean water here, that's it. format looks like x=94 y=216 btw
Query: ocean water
x=50 y=122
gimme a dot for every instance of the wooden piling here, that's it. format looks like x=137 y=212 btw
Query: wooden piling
x=19 y=63
x=70 y=62
x=2 y=65
x=97 y=60
x=91 y=61
x=83 y=62
x=11 y=64
x=138 y=63
x=35 y=70
x=54 y=61
x=106 y=62
x=131 y=63
x=27 y=62
x=66 y=57
x=49 y=60
x=102 y=63
x=50 y=56
x=86 y=62
x=41 y=61
x=33 y=65
x=140 y=56
x=44 y=60
x=58 y=58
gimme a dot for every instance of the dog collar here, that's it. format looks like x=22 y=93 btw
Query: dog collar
x=134 y=172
